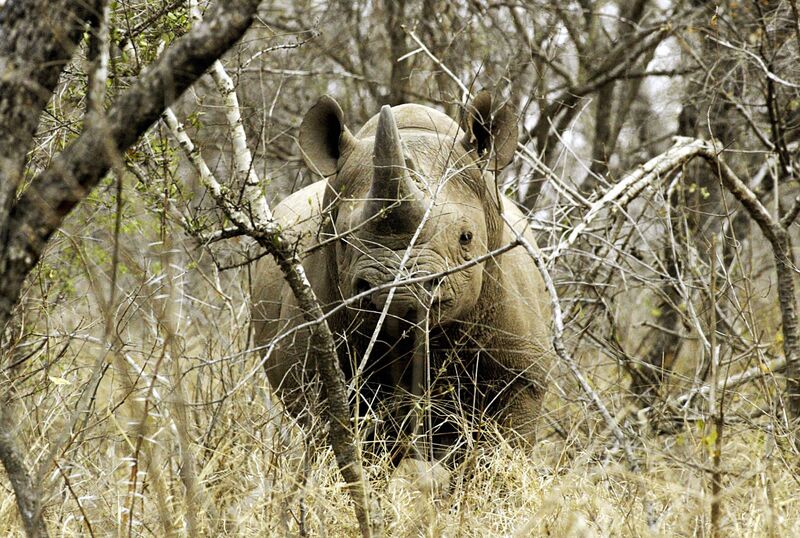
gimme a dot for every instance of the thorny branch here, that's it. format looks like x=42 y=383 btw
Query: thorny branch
x=626 y=190
x=774 y=229
x=566 y=358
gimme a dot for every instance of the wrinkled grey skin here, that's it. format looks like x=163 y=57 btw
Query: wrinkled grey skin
x=490 y=340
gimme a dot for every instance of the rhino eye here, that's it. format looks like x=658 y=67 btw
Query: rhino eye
x=465 y=238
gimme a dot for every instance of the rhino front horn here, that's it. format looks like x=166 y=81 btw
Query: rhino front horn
x=393 y=192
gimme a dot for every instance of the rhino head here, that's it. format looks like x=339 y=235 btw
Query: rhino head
x=411 y=177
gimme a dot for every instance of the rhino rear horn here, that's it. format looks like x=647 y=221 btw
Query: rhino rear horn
x=491 y=132
x=324 y=138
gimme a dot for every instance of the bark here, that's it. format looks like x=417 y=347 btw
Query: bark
x=436 y=27
x=37 y=39
x=25 y=491
x=400 y=76
x=784 y=268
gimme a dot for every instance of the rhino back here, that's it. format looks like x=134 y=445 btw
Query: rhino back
x=273 y=306
x=419 y=117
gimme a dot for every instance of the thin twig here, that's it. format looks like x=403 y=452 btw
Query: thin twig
x=561 y=351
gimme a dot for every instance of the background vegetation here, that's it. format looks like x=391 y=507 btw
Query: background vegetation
x=128 y=379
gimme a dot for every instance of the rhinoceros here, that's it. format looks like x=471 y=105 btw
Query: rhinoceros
x=412 y=196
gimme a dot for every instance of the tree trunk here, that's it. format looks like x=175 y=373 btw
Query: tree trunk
x=37 y=40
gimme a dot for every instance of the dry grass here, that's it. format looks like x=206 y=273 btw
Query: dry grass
x=251 y=465
x=556 y=491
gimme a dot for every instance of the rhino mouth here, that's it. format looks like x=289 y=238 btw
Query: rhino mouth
x=407 y=308
x=401 y=327
x=402 y=315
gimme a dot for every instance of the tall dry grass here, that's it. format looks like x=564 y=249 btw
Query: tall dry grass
x=111 y=461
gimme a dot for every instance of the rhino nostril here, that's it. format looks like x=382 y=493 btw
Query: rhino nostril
x=432 y=284
x=360 y=286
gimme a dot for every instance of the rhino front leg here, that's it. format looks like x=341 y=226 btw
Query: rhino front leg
x=519 y=411
x=516 y=385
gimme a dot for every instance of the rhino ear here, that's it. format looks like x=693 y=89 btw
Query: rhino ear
x=491 y=132
x=324 y=138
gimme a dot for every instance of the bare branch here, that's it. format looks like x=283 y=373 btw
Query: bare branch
x=775 y=366
x=561 y=351
x=769 y=74
x=37 y=39
x=25 y=491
